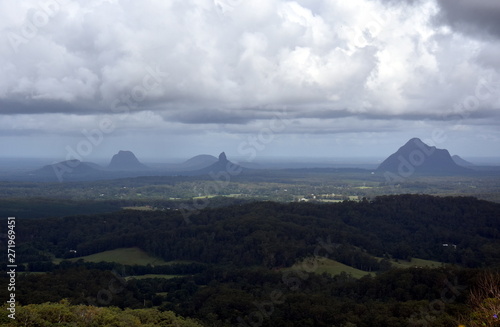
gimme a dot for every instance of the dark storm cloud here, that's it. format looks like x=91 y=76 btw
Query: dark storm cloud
x=374 y=115
x=41 y=106
x=477 y=17
x=210 y=116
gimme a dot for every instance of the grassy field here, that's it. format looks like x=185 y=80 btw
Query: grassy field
x=332 y=267
x=140 y=208
x=125 y=256
x=415 y=262
x=153 y=276
x=204 y=197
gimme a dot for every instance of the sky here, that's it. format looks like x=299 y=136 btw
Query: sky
x=254 y=78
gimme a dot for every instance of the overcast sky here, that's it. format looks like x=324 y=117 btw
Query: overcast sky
x=253 y=78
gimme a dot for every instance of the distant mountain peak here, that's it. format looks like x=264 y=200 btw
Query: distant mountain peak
x=222 y=157
x=223 y=165
x=125 y=160
x=416 y=142
x=417 y=157
x=70 y=163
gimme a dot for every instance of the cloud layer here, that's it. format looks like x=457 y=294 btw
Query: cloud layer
x=230 y=66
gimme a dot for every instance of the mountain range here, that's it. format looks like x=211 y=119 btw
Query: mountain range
x=125 y=164
x=414 y=157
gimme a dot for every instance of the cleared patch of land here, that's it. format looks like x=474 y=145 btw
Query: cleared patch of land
x=329 y=266
x=153 y=276
x=125 y=256
x=332 y=267
x=140 y=208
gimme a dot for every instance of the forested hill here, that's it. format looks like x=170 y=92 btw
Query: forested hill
x=459 y=230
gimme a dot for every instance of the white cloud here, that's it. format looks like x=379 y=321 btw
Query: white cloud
x=227 y=65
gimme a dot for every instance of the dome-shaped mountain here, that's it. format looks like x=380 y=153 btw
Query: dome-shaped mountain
x=221 y=166
x=199 y=162
x=125 y=161
x=417 y=157
x=68 y=170
x=74 y=166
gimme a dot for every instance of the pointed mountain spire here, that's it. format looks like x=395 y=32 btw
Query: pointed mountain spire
x=222 y=157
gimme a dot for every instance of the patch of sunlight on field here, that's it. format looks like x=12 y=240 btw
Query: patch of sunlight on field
x=124 y=256
x=204 y=197
x=140 y=208
x=153 y=276
x=332 y=267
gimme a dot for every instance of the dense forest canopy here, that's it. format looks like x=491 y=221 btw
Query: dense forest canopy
x=458 y=230
x=258 y=263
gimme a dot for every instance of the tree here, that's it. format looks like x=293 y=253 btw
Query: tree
x=485 y=301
